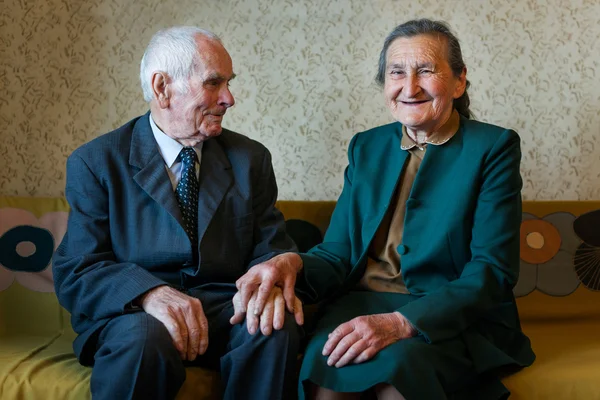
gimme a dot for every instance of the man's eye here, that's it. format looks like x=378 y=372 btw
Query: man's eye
x=396 y=72
x=425 y=71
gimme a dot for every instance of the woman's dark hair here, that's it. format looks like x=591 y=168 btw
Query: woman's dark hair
x=423 y=27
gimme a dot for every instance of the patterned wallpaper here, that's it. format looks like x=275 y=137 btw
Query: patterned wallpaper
x=68 y=73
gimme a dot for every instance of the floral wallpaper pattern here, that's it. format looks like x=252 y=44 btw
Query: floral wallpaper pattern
x=305 y=86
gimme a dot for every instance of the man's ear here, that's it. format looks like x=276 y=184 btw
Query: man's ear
x=161 y=88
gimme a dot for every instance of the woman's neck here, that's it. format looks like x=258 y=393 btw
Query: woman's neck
x=421 y=136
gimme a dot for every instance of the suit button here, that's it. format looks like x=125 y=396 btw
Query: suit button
x=402 y=249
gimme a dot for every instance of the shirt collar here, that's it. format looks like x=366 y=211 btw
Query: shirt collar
x=168 y=147
x=438 y=138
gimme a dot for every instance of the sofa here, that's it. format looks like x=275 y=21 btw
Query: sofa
x=558 y=299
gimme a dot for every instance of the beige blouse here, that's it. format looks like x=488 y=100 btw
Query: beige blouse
x=383 y=272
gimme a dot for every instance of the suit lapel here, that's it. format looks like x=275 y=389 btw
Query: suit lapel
x=152 y=176
x=215 y=179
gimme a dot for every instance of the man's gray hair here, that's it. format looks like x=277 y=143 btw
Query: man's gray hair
x=173 y=51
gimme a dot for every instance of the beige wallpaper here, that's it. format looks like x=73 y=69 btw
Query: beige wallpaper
x=68 y=72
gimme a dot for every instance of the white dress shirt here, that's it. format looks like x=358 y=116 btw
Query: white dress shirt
x=169 y=149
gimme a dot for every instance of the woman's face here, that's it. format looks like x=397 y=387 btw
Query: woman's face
x=420 y=86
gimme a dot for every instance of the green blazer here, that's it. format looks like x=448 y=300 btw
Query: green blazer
x=460 y=249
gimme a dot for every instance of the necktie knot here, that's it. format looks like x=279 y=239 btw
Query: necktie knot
x=188 y=156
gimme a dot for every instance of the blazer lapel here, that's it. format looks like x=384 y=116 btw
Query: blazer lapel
x=152 y=176
x=385 y=176
x=215 y=179
x=439 y=166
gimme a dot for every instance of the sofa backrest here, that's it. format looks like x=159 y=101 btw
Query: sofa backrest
x=560 y=257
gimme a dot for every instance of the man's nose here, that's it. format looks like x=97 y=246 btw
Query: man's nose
x=225 y=97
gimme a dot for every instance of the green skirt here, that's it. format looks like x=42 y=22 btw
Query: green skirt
x=418 y=370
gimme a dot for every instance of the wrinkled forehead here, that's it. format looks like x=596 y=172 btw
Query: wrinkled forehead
x=417 y=50
x=212 y=56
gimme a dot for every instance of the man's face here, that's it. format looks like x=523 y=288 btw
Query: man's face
x=420 y=86
x=196 y=116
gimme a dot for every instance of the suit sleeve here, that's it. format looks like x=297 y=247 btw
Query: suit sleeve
x=488 y=278
x=327 y=265
x=89 y=282
x=270 y=238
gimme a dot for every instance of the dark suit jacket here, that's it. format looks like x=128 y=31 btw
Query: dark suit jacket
x=125 y=233
x=460 y=250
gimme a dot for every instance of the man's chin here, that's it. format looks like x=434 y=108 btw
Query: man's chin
x=211 y=132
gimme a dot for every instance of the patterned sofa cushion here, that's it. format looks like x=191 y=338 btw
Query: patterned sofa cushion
x=559 y=304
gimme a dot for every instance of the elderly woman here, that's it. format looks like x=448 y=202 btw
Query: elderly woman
x=423 y=246
x=424 y=241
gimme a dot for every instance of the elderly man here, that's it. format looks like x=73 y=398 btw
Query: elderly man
x=167 y=212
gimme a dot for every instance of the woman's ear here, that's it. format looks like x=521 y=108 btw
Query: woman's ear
x=462 y=84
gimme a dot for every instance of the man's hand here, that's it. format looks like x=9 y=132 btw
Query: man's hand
x=183 y=317
x=280 y=270
x=361 y=338
x=272 y=316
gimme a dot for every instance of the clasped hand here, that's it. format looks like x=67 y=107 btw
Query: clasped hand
x=272 y=315
x=266 y=289
x=264 y=293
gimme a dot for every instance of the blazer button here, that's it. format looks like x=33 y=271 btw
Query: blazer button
x=412 y=203
x=402 y=249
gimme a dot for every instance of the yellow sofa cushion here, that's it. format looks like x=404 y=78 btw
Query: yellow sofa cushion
x=34 y=367
x=36 y=353
x=565 y=335
x=37 y=361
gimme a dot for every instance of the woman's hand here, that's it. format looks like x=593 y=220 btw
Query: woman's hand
x=272 y=316
x=361 y=338
x=281 y=271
